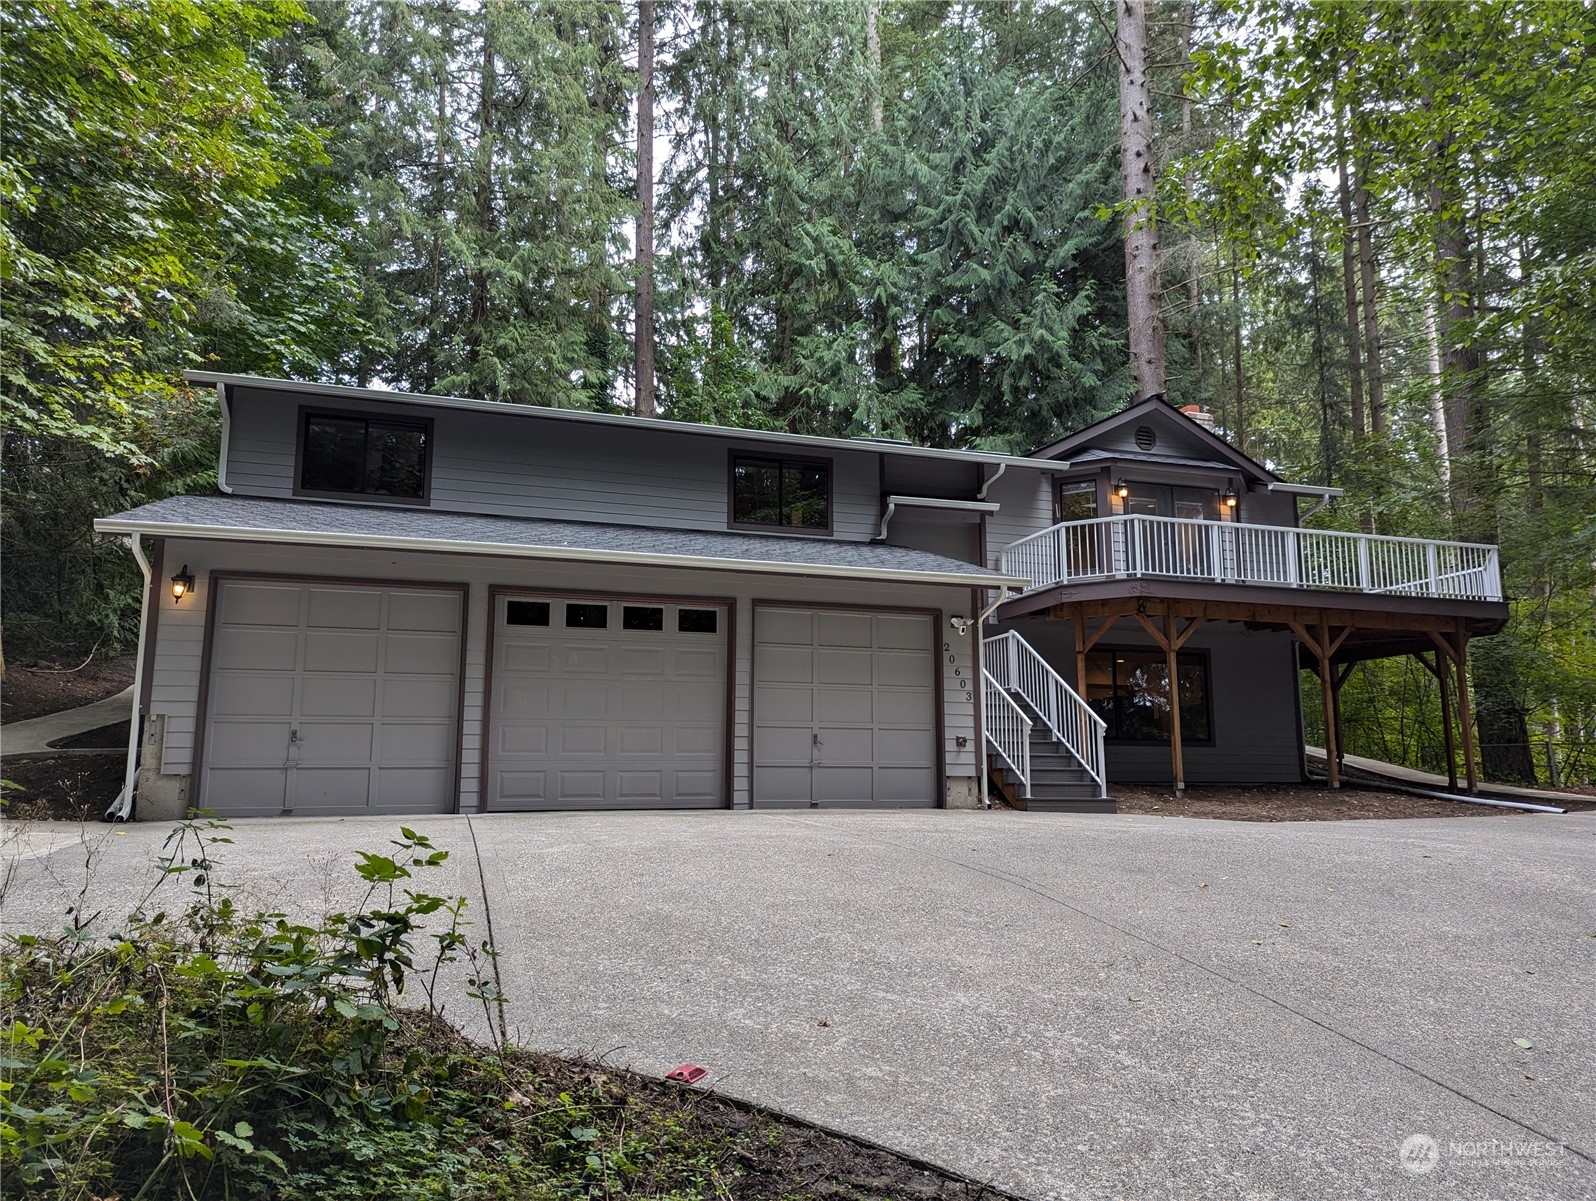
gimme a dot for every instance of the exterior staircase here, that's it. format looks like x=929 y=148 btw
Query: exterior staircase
x=1044 y=744
x=1059 y=781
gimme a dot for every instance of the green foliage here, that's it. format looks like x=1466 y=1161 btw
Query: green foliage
x=214 y=1053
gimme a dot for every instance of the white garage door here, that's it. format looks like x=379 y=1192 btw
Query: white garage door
x=844 y=708
x=608 y=704
x=330 y=698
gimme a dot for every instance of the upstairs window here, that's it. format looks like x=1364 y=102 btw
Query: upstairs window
x=783 y=494
x=355 y=454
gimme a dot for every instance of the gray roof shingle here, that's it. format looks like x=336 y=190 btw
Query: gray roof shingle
x=263 y=519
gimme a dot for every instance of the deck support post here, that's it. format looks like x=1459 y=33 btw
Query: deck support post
x=1440 y=671
x=1171 y=638
x=1465 y=717
x=1341 y=675
x=1323 y=646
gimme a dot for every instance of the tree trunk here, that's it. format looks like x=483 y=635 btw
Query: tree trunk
x=643 y=404
x=476 y=331
x=1371 y=315
x=873 y=50
x=1145 y=335
x=1349 y=278
x=1241 y=375
x=1437 y=407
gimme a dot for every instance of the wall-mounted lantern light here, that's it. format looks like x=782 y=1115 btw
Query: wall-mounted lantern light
x=1121 y=489
x=1230 y=498
x=182 y=584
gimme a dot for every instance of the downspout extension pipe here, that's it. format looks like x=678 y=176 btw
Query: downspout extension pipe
x=1382 y=786
x=122 y=808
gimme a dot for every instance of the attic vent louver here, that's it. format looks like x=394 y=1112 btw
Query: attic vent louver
x=1145 y=438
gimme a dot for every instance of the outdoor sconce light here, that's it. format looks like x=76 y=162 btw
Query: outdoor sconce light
x=182 y=584
x=961 y=625
x=1121 y=489
x=1230 y=499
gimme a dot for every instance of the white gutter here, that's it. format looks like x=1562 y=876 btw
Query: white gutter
x=453 y=546
x=122 y=808
x=980 y=683
x=1324 y=495
x=932 y=502
x=227 y=437
x=661 y=424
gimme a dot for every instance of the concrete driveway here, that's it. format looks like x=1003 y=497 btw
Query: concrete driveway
x=1095 y=1007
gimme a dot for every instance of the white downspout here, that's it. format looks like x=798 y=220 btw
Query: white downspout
x=227 y=436
x=981 y=495
x=980 y=684
x=122 y=808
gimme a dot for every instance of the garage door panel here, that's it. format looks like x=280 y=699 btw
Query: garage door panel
x=905 y=785
x=324 y=661
x=581 y=740
x=786 y=704
x=418 y=743
x=247 y=791
x=331 y=789
x=438 y=612
x=523 y=739
x=904 y=746
x=621 y=713
x=338 y=696
x=421 y=654
x=849 y=716
x=342 y=650
x=251 y=695
x=845 y=667
x=240 y=743
x=903 y=633
x=261 y=650
x=344 y=609
x=899 y=669
x=259 y=605
x=416 y=697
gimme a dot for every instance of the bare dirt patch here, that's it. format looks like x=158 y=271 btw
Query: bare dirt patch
x=41 y=688
x=63 y=788
x=1300 y=803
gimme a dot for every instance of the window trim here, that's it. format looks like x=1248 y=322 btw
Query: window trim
x=302 y=428
x=1202 y=653
x=781 y=460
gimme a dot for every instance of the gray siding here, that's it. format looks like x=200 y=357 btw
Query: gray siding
x=522 y=467
x=1253 y=677
x=1027 y=500
x=180 y=633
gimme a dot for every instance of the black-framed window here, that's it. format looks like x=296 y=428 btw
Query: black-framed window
x=526 y=613
x=587 y=617
x=1077 y=500
x=698 y=621
x=642 y=617
x=356 y=454
x=1129 y=689
x=788 y=494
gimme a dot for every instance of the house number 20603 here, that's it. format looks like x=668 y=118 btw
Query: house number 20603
x=958 y=672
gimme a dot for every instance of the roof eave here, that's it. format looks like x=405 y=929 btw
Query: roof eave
x=224 y=533
x=660 y=424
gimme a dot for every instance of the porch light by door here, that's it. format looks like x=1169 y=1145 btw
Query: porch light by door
x=182 y=584
x=1121 y=489
x=1230 y=498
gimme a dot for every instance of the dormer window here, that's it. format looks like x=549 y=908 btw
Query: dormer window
x=345 y=454
x=781 y=494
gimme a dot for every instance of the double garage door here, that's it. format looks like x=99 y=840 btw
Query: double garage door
x=331 y=699
x=328 y=698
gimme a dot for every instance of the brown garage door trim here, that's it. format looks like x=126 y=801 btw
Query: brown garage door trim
x=729 y=721
x=214 y=579
x=938 y=683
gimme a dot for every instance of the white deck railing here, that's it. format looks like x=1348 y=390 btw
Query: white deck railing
x=1225 y=552
x=1008 y=730
x=1014 y=666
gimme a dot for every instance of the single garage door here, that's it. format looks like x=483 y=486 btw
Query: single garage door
x=844 y=708
x=331 y=698
x=608 y=704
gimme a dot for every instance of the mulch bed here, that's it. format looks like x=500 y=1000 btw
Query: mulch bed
x=70 y=788
x=49 y=687
x=1305 y=802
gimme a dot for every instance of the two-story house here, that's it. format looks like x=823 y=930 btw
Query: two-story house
x=407 y=604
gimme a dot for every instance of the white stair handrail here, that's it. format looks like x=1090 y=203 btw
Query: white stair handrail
x=1008 y=730
x=1015 y=666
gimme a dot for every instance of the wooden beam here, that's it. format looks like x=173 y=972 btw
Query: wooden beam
x=1171 y=646
x=1465 y=716
x=1446 y=721
x=1080 y=651
x=1190 y=629
x=1332 y=752
x=1153 y=632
